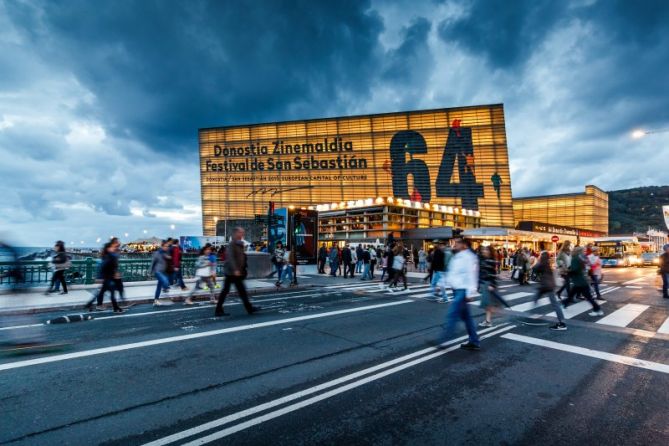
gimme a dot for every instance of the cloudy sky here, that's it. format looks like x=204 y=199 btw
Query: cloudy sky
x=100 y=101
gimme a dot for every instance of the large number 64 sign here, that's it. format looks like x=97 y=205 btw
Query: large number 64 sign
x=459 y=148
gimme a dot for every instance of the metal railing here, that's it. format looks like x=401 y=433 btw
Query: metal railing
x=39 y=272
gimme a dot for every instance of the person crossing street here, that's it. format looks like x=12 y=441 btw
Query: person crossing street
x=235 y=274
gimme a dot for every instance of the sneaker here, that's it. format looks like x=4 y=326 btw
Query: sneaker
x=217 y=286
x=561 y=326
x=166 y=290
x=188 y=301
x=596 y=313
x=156 y=303
x=99 y=308
x=119 y=310
x=63 y=292
x=485 y=324
x=470 y=346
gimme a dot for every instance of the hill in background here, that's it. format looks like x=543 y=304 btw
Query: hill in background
x=634 y=210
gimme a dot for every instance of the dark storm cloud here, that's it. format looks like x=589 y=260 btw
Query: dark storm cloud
x=411 y=62
x=505 y=32
x=159 y=71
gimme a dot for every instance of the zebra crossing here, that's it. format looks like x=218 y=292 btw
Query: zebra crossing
x=625 y=315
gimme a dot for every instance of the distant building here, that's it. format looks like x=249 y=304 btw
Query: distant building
x=586 y=211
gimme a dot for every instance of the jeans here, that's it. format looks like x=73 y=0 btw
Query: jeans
x=358 y=266
x=287 y=273
x=554 y=303
x=107 y=285
x=163 y=283
x=665 y=285
x=422 y=266
x=178 y=278
x=459 y=309
x=566 y=286
x=436 y=278
x=365 y=272
x=333 y=268
x=595 y=285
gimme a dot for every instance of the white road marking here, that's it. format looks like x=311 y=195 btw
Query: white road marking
x=116 y=348
x=624 y=315
x=634 y=287
x=514 y=296
x=14 y=327
x=530 y=305
x=576 y=309
x=507 y=286
x=664 y=328
x=627 y=360
x=323 y=396
x=635 y=280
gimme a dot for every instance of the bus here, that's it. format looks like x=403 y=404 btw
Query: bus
x=619 y=251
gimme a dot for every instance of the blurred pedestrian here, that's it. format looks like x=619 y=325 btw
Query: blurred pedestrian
x=463 y=278
x=438 y=283
x=580 y=286
x=279 y=259
x=60 y=263
x=490 y=298
x=108 y=274
x=203 y=275
x=322 y=258
x=663 y=271
x=334 y=261
x=159 y=263
x=235 y=274
x=399 y=266
x=422 y=260
x=366 y=265
x=177 y=274
x=288 y=269
x=118 y=278
x=563 y=261
x=547 y=286
x=358 y=260
x=595 y=270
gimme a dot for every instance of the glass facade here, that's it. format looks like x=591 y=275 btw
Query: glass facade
x=454 y=157
x=589 y=210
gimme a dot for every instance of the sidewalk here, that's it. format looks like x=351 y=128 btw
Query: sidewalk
x=35 y=301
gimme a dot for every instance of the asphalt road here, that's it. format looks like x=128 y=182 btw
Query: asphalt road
x=347 y=363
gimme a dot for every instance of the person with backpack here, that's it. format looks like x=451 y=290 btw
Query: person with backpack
x=203 y=275
x=60 y=263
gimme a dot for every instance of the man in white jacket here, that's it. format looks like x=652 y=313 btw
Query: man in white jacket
x=463 y=277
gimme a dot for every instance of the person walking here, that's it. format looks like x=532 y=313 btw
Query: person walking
x=463 y=278
x=108 y=273
x=547 y=286
x=422 y=261
x=390 y=260
x=595 y=270
x=358 y=257
x=439 y=271
x=563 y=261
x=322 y=258
x=384 y=266
x=430 y=270
x=279 y=260
x=118 y=279
x=159 y=270
x=235 y=274
x=366 y=264
x=399 y=266
x=288 y=271
x=488 y=286
x=347 y=256
x=580 y=286
x=60 y=263
x=203 y=275
x=334 y=261
x=177 y=274
x=663 y=271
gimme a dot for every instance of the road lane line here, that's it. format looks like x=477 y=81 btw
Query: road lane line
x=627 y=360
x=634 y=287
x=624 y=315
x=518 y=295
x=204 y=334
x=296 y=406
x=574 y=310
x=664 y=328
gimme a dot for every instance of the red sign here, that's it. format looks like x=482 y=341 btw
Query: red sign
x=555 y=238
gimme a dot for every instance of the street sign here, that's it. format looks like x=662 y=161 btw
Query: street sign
x=555 y=239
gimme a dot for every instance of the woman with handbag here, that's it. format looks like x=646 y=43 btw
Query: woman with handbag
x=61 y=263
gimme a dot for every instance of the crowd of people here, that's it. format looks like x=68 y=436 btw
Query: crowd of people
x=457 y=267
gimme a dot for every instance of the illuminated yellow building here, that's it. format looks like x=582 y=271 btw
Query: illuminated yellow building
x=452 y=157
x=587 y=211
